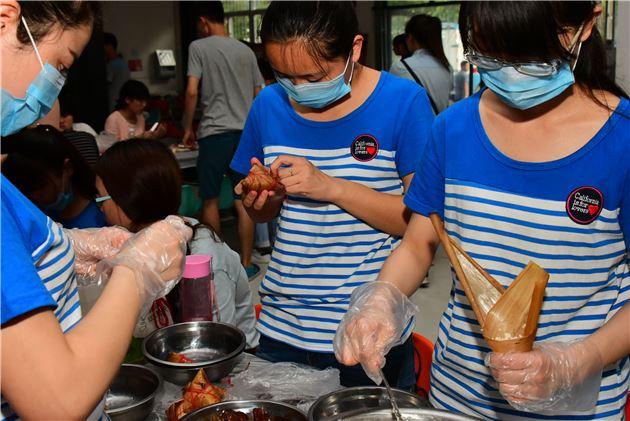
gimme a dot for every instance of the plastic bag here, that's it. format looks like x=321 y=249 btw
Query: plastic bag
x=155 y=255
x=290 y=383
x=374 y=323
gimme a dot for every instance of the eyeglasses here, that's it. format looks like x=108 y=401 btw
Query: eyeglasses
x=99 y=200
x=532 y=68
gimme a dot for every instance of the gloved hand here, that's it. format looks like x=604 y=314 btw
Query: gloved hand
x=92 y=245
x=156 y=255
x=373 y=325
x=552 y=378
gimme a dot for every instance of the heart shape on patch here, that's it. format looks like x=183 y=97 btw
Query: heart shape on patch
x=370 y=149
x=592 y=209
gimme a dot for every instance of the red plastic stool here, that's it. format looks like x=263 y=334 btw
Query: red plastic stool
x=422 y=357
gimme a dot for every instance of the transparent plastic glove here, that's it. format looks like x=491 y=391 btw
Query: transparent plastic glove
x=552 y=378
x=156 y=255
x=373 y=325
x=92 y=245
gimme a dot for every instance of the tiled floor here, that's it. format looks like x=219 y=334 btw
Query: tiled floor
x=431 y=300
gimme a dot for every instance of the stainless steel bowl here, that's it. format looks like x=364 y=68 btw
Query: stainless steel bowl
x=281 y=410
x=213 y=346
x=353 y=399
x=408 y=414
x=131 y=396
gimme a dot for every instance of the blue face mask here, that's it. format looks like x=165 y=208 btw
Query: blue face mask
x=318 y=94
x=18 y=113
x=62 y=202
x=524 y=91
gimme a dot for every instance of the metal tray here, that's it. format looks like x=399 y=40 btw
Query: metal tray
x=280 y=410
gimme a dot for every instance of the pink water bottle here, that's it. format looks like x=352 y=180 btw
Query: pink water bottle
x=197 y=293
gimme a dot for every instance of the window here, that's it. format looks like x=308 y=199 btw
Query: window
x=243 y=19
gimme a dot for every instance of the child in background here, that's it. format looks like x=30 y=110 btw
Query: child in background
x=49 y=170
x=67 y=121
x=127 y=121
x=138 y=182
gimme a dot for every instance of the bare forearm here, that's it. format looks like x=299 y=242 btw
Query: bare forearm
x=190 y=103
x=613 y=338
x=407 y=267
x=382 y=211
x=73 y=370
x=409 y=264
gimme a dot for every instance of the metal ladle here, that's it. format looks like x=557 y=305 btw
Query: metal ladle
x=392 y=400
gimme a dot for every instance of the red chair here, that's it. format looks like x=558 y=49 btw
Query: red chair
x=257 y=309
x=422 y=357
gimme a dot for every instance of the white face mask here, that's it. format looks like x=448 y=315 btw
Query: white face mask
x=40 y=97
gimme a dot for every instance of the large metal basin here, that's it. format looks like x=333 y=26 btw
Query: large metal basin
x=131 y=396
x=213 y=346
x=354 y=399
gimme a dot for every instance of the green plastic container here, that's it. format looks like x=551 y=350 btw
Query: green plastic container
x=191 y=203
x=134 y=353
x=226 y=197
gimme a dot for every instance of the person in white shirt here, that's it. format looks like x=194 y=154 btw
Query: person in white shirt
x=428 y=65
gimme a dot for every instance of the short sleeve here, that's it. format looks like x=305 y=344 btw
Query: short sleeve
x=426 y=193
x=22 y=288
x=414 y=134
x=195 y=67
x=250 y=145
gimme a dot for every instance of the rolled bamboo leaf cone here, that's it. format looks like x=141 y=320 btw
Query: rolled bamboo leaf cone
x=512 y=345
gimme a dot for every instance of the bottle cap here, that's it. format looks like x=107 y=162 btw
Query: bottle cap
x=197 y=266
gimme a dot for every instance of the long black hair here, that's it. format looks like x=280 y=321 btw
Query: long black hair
x=529 y=30
x=327 y=28
x=427 y=31
x=37 y=153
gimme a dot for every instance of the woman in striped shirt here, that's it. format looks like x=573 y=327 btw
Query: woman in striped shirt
x=56 y=365
x=533 y=168
x=344 y=140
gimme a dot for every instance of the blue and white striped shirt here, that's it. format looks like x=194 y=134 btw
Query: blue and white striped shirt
x=322 y=253
x=569 y=215
x=37 y=268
